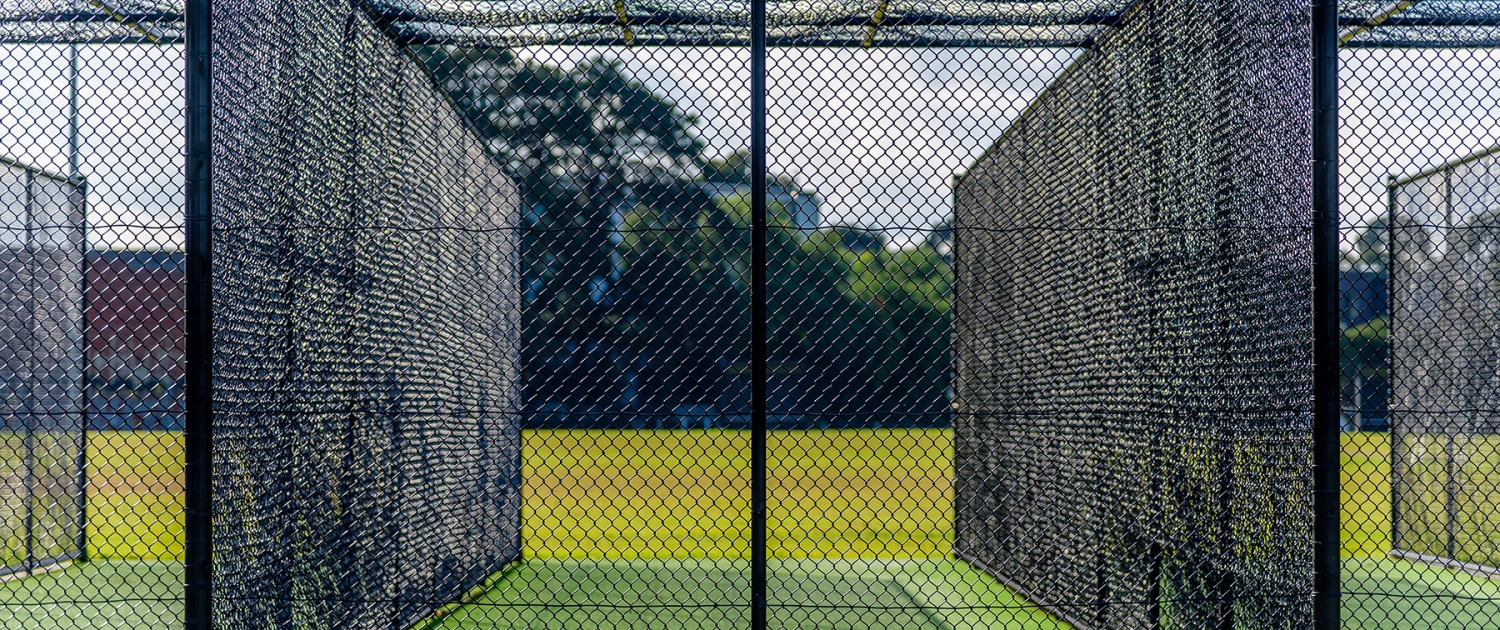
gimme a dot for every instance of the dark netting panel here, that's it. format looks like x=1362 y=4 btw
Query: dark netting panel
x=1132 y=433
x=41 y=403
x=1444 y=226
x=367 y=436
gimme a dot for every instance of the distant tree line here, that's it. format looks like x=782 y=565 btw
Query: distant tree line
x=635 y=265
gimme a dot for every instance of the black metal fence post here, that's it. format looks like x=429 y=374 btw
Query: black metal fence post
x=198 y=313
x=1393 y=261
x=82 y=191
x=758 y=326
x=81 y=459
x=1325 y=238
x=29 y=424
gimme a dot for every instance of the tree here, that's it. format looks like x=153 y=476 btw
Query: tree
x=582 y=145
x=1369 y=250
x=637 y=278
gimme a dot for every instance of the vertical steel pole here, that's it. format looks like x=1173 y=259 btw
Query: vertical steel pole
x=80 y=197
x=758 y=327
x=81 y=461
x=73 y=112
x=1325 y=237
x=1392 y=260
x=198 y=433
x=31 y=368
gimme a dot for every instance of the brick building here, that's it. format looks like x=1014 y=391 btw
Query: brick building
x=135 y=339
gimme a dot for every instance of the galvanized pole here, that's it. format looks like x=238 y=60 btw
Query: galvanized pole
x=758 y=326
x=1325 y=237
x=32 y=348
x=80 y=196
x=73 y=113
x=198 y=433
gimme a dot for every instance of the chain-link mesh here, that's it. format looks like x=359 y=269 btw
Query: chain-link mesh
x=1444 y=289
x=1132 y=335
x=44 y=370
x=1037 y=328
x=91 y=207
x=1418 y=189
x=366 y=421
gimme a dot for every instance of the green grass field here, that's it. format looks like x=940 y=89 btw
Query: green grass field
x=1439 y=598
x=698 y=593
x=860 y=520
x=626 y=495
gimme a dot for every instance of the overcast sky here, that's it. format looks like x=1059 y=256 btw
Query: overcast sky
x=877 y=133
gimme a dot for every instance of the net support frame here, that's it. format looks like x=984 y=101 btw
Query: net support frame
x=1048 y=24
x=759 y=326
x=36 y=358
x=199 y=414
x=1442 y=418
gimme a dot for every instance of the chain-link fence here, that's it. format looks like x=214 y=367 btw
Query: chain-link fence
x=1419 y=473
x=44 y=369
x=665 y=314
x=1133 y=330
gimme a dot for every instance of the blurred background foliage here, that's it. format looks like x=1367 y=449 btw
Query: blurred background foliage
x=635 y=267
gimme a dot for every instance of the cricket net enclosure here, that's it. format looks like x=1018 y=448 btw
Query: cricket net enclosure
x=1132 y=335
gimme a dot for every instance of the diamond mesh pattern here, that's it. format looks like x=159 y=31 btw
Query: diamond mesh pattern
x=366 y=460
x=1036 y=298
x=1132 y=331
x=41 y=284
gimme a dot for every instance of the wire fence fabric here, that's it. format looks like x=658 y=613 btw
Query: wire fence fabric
x=487 y=346
x=41 y=289
x=1132 y=331
x=367 y=459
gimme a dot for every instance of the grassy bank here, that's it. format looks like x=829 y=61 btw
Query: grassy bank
x=653 y=494
x=135 y=495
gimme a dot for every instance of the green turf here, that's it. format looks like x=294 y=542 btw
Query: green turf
x=1476 y=486
x=659 y=517
x=627 y=495
x=804 y=594
x=135 y=495
x=95 y=595
x=1389 y=594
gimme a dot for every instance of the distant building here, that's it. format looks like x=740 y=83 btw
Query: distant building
x=135 y=340
x=1363 y=296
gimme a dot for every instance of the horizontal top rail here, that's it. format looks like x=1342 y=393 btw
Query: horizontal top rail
x=965 y=24
x=39 y=171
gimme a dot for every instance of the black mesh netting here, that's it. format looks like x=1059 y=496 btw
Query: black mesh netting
x=1132 y=433
x=1071 y=387
x=366 y=435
